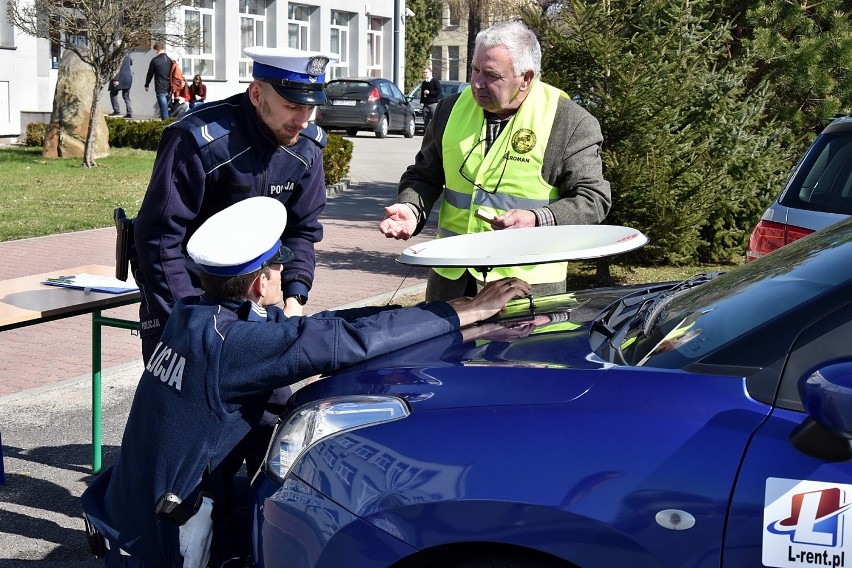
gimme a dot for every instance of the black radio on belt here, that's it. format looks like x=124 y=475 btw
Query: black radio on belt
x=171 y=507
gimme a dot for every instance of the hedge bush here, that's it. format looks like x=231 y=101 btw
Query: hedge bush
x=336 y=156
x=139 y=134
x=36 y=132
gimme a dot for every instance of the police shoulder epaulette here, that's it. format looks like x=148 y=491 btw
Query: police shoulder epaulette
x=208 y=124
x=316 y=134
x=206 y=133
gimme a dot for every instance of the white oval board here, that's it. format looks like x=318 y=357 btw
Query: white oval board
x=519 y=247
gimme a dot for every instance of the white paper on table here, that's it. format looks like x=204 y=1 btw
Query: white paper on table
x=92 y=282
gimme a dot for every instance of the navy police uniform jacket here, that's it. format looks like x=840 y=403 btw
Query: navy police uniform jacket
x=211 y=158
x=206 y=386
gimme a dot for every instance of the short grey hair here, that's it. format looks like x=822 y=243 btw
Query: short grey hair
x=519 y=41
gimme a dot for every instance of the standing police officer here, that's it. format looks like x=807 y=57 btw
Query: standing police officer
x=210 y=376
x=257 y=143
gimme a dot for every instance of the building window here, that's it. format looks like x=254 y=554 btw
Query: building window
x=374 y=48
x=340 y=43
x=198 y=18
x=7 y=34
x=437 y=64
x=451 y=14
x=252 y=26
x=55 y=49
x=297 y=26
x=79 y=37
x=453 y=62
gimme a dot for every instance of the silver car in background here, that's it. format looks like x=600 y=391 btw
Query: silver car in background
x=817 y=194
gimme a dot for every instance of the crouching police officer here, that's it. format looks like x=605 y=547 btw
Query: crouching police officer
x=209 y=379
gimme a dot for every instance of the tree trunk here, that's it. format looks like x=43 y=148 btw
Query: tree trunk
x=602 y=272
x=89 y=151
x=474 y=26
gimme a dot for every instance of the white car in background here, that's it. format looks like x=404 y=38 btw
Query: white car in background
x=818 y=193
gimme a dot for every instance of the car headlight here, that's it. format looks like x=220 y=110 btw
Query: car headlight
x=309 y=424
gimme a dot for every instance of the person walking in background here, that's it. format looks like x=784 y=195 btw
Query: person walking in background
x=511 y=151
x=197 y=92
x=180 y=100
x=121 y=83
x=430 y=94
x=158 y=70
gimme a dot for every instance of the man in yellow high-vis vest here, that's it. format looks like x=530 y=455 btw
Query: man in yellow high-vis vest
x=512 y=148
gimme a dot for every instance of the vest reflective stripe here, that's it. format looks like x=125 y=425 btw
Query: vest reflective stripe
x=517 y=155
x=457 y=199
x=505 y=202
x=497 y=200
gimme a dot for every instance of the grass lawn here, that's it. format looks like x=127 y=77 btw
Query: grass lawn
x=40 y=196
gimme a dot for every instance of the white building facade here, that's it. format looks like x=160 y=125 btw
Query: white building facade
x=368 y=39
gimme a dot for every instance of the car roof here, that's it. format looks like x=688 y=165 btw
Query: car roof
x=840 y=125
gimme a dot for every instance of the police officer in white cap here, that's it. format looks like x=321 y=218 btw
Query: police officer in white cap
x=209 y=378
x=257 y=143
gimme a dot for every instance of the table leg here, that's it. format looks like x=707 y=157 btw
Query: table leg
x=96 y=392
x=98 y=321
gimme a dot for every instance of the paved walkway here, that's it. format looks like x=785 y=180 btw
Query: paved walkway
x=355 y=265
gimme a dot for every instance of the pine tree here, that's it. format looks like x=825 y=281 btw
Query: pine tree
x=688 y=152
x=803 y=51
x=420 y=32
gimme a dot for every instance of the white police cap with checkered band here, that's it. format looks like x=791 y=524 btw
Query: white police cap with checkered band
x=298 y=76
x=241 y=238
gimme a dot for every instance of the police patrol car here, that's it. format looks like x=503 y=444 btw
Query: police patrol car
x=701 y=423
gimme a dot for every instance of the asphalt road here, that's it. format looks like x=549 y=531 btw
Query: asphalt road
x=46 y=432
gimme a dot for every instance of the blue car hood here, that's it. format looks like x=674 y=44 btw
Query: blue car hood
x=448 y=371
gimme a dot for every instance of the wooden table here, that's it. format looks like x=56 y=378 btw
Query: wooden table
x=25 y=301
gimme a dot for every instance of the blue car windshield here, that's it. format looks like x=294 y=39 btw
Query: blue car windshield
x=690 y=324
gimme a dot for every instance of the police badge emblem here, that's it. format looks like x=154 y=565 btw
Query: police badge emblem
x=523 y=141
x=316 y=65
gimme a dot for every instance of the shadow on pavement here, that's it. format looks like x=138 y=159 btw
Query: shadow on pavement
x=351 y=204
x=369 y=262
x=74 y=457
x=37 y=505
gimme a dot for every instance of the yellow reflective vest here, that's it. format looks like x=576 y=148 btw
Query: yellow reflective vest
x=512 y=167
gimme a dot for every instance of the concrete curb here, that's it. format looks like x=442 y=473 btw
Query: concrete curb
x=337 y=188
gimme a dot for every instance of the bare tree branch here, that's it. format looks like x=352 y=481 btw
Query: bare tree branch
x=101 y=33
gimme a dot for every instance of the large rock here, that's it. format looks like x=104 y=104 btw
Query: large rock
x=72 y=105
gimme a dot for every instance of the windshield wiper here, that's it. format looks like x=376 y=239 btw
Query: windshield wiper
x=624 y=311
x=655 y=308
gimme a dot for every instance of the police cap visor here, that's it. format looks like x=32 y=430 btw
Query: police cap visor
x=283 y=256
x=298 y=92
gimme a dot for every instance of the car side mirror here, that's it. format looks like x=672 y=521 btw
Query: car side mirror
x=826 y=394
